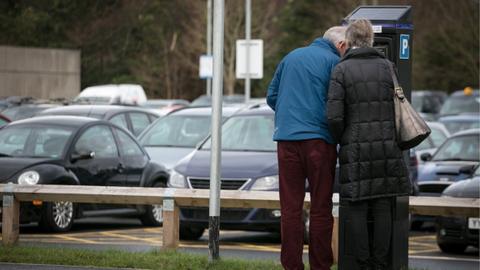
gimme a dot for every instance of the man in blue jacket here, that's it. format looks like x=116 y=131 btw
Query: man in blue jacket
x=306 y=149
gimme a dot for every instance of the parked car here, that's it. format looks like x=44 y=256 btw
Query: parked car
x=454 y=160
x=459 y=102
x=165 y=106
x=455 y=234
x=76 y=151
x=119 y=94
x=27 y=110
x=456 y=123
x=429 y=145
x=4 y=120
x=249 y=162
x=174 y=136
x=205 y=100
x=134 y=119
x=428 y=103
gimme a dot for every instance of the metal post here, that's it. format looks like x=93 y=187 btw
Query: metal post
x=214 y=218
x=248 y=23
x=209 y=41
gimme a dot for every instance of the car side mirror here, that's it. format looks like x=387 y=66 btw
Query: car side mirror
x=426 y=157
x=83 y=156
x=466 y=169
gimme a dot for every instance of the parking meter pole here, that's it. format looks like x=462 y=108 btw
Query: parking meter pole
x=209 y=41
x=248 y=24
x=215 y=174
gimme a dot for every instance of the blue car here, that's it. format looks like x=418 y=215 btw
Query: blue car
x=249 y=162
x=454 y=160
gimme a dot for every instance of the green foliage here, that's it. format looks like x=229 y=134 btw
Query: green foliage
x=157 y=42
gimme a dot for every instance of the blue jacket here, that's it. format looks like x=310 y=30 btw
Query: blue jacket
x=298 y=92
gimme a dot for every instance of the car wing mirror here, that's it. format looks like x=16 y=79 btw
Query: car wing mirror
x=83 y=156
x=426 y=157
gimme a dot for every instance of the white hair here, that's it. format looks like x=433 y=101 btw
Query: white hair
x=335 y=34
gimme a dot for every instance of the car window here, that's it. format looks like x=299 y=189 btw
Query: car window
x=459 y=148
x=460 y=104
x=437 y=136
x=34 y=141
x=3 y=122
x=426 y=144
x=247 y=133
x=120 y=120
x=139 y=122
x=98 y=139
x=127 y=145
x=177 y=131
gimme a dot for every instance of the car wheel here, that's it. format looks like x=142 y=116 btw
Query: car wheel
x=416 y=225
x=191 y=232
x=57 y=216
x=154 y=213
x=452 y=248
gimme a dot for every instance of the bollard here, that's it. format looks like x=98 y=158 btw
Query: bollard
x=10 y=217
x=171 y=221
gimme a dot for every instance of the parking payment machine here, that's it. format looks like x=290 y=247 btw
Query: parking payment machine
x=393 y=37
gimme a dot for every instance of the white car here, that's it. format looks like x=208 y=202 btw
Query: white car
x=122 y=94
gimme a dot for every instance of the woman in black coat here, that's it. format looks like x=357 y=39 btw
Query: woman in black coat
x=361 y=118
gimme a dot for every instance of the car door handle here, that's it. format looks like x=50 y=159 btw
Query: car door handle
x=120 y=168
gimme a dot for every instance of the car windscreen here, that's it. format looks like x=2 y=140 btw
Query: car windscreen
x=461 y=104
x=247 y=133
x=177 y=131
x=459 y=148
x=437 y=137
x=34 y=141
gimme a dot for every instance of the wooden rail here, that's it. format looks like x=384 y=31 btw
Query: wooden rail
x=172 y=199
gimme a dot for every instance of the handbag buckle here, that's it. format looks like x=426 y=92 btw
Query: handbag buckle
x=399 y=93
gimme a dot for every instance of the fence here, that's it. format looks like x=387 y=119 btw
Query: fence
x=172 y=199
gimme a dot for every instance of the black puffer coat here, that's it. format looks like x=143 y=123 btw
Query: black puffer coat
x=361 y=118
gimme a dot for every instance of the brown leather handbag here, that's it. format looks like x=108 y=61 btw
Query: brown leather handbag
x=410 y=127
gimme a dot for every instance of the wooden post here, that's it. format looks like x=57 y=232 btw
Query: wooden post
x=335 y=240
x=171 y=224
x=10 y=219
x=335 y=213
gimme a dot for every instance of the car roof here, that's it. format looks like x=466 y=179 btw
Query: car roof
x=227 y=110
x=93 y=109
x=467 y=132
x=256 y=109
x=457 y=93
x=76 y=121
x=467 y=117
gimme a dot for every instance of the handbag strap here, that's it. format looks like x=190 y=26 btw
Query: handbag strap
x=398 y=90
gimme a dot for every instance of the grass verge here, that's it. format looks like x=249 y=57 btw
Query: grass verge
x=122 y=259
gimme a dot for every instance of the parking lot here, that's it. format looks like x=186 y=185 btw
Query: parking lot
x=129 y=234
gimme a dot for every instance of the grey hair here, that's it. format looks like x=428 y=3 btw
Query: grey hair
x=359 y=33
x=335 y=34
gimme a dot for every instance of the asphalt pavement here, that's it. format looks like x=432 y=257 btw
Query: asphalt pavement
x=128 y=234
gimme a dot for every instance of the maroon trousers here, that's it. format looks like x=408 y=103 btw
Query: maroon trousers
x=297 y=161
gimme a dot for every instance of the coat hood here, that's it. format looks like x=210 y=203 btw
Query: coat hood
x=367 y=52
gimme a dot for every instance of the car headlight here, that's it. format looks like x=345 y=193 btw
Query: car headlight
x=29 y=178
x=266 y=183
x=177 y=180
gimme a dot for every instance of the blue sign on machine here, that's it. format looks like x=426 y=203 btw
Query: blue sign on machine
x=404 y=48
